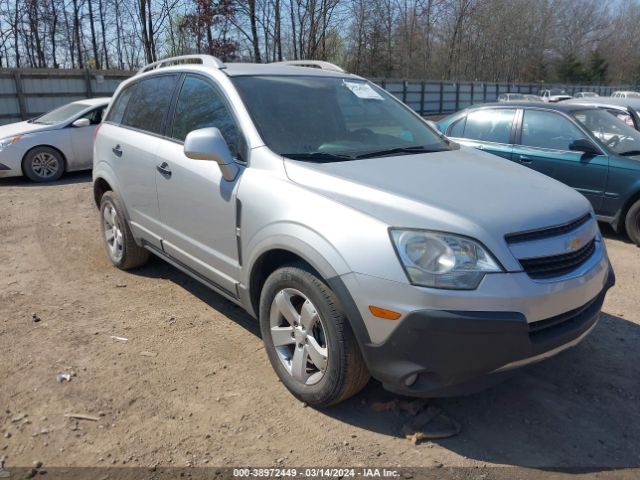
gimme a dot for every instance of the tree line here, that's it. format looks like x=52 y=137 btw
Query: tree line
x=576 y=41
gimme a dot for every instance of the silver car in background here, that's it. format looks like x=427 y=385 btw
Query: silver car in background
x=625 y=94
x=59 y=141
x=363 y=241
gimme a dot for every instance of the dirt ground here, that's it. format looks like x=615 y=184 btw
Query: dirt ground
x=192 y=385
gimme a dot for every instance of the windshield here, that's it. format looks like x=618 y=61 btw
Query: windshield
x=331 y=119
x=588 y=94
x=61 y=114
x=614 y=133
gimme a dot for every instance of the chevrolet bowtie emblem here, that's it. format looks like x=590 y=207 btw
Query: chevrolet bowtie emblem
x=574 y=243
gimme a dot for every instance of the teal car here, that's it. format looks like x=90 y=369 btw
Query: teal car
x=584 y=147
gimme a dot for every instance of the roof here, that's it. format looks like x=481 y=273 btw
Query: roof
x=250 y=69
x=559 y=106
x=93 y=101
x=622 y=102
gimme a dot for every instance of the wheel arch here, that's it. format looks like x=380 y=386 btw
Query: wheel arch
x=622 y=218
x=100 y=187
x=289 y=250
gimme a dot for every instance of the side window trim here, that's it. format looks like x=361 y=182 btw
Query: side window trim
x=223 y=98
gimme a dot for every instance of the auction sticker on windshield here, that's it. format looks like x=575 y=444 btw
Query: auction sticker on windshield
x=362 y=90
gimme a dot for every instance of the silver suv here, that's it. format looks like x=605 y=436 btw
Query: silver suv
x=363 y=241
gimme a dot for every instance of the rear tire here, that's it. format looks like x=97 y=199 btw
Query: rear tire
x=632 y=223
x=122 y=249
x=43 y=164
x=314 y=336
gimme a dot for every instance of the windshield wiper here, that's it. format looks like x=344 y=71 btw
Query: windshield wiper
x=318 y=156
x=400 y=150
x=630 y=153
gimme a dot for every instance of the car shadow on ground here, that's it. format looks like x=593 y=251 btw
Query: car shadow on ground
x=578 y=409
x=67 y=179
x=158 y=268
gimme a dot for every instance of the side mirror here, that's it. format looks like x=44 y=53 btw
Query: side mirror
x=209 y=144
x=585 y=146
x=81 y=122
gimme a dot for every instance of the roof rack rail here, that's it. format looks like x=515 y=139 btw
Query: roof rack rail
x=321 y=64
x=206 y=60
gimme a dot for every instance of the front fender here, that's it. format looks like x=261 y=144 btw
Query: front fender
x=314 y=249
x=300 y=240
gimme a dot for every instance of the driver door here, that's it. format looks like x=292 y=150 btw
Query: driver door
x=82 y=139
x=543 y=145
x=198 y=207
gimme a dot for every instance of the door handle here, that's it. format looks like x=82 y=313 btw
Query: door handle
x=117 y=151
x=525 y=159
x=164 y=169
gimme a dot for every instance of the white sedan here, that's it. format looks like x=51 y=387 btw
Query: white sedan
x=59 y=141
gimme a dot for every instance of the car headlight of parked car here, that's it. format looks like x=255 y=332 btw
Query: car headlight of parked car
x=443 y=260
x=5 y=142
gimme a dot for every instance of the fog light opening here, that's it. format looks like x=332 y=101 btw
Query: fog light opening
x=411 y=379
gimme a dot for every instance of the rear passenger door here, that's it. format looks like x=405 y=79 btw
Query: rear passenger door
x=133 y=135
x=543 y=145
x=487 y=129
x=197 y=205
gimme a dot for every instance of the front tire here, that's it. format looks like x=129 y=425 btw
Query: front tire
x=122 y=249
x=632 y=223
x=308 y=338
x=43 y=164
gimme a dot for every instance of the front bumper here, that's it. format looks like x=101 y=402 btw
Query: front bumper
x=10 y=163
x=456 y=352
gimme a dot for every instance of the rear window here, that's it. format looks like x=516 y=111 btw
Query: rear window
x=149 y=104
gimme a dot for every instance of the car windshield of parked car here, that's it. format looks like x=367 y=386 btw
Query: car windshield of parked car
x=616 y=134
x=61 y=114
x=331 y=119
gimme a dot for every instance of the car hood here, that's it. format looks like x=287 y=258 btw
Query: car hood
x=22 y=128
x=461 y=191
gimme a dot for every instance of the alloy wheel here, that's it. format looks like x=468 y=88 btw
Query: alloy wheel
x=299 y=336
x=45 y=165
x=112 y=232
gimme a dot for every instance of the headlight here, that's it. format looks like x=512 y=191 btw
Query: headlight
x=443 y=260
x=5 y=142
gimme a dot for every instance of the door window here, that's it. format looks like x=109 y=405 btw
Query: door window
x=149 y=104
x=490 y=125
x=457 y=128
x=120 y=104
x=95 y=116
x=548 y=130
x=200 y=105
